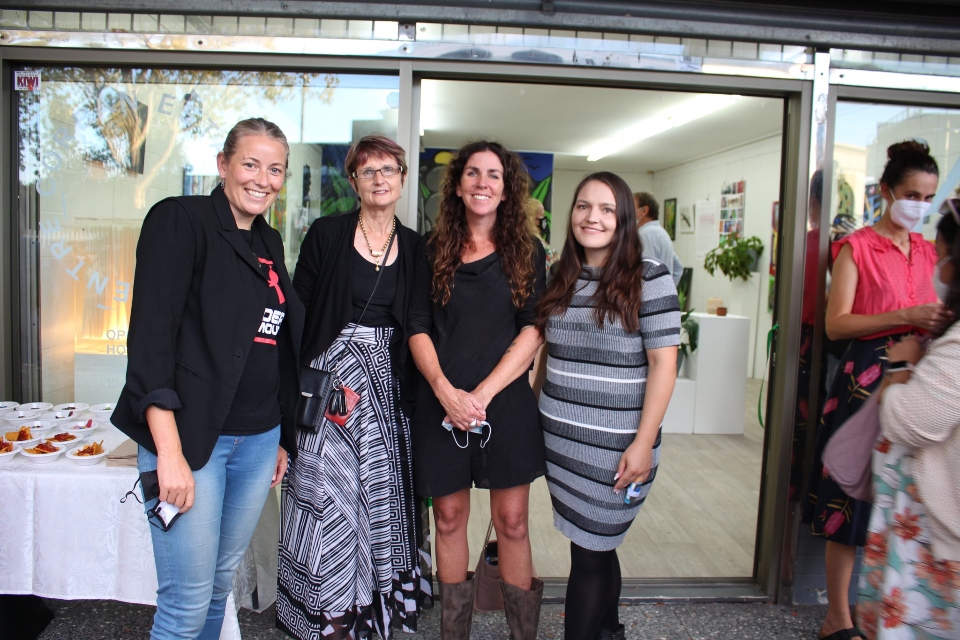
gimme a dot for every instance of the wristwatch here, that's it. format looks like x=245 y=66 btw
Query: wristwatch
x=898 y=365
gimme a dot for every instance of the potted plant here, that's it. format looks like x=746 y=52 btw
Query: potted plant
x=736 y=257
x=689 y=332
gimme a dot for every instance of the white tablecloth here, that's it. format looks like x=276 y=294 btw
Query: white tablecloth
x=64 y=533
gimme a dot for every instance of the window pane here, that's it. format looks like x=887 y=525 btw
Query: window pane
x=98 y=147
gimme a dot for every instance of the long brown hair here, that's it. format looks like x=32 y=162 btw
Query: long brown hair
x=618 y=292
x=510 y=235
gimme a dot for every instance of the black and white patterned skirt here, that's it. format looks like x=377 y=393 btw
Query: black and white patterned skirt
x=350 y=538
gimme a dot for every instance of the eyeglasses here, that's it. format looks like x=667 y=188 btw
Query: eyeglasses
x=387 y=171
x=952 y=206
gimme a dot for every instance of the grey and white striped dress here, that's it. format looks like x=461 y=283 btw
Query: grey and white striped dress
x=591 y=402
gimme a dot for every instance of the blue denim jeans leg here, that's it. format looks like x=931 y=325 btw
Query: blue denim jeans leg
x=197 y=558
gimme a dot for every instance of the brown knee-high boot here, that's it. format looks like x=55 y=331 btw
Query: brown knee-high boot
x=456 y=609
x=523 y=609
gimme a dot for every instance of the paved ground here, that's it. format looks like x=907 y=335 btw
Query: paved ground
x=100 y=620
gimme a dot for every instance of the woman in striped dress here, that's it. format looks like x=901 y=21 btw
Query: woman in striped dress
x=612 y=325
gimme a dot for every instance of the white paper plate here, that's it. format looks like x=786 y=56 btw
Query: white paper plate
x=36 y=406
x=18 y=415
x=79 y=426
x=86 y=460
x=24 y=443
x=103 y=411
x=77 y=437
x=6 y=406
x=72 y=406
x=6 y=457
x=43 y=458
x=61 y=416
x=36 y=426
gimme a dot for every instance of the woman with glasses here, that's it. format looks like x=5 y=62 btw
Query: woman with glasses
x=349 y=561
x=910 y=581
x=881 y=290
x=479 y=277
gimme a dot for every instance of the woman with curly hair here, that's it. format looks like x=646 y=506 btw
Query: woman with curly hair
x=472 y=335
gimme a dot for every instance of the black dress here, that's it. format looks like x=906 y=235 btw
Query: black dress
x=471 y=333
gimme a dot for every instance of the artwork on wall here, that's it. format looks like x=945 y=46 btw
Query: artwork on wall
x=872 y=209
x=708 y=214
x=732 y=199
x=433 y=166
x=336 y=194
x=686 y=220
x=115 y=132
x=197 y=185
x=775 y=236
x=670 y=217
x=276 y=216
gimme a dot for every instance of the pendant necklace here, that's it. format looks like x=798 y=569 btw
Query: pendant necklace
x=377 y=255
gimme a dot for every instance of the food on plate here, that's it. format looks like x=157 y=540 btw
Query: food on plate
x=6 y=447
x=62 y=437
x=93 y=449
x=43 y=447
x=19 y=436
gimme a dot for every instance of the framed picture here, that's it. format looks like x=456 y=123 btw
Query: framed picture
x=686 y=221
x=670 y=217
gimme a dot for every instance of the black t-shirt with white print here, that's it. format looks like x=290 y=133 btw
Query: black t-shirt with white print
x=256 y=406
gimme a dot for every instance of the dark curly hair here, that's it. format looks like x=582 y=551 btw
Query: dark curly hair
x=510 y=235
x=618 y=293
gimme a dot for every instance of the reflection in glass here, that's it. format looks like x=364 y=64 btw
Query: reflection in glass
x=98 y=147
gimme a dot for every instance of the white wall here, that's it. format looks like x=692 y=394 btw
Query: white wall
x=566 y=180
x=757 y=163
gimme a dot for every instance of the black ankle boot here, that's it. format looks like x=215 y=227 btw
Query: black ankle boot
x=616 y=634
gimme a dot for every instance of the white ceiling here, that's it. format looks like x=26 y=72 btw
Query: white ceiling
x=566 y=120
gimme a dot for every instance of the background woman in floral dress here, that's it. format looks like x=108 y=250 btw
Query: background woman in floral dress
x=910 y=583
x=881 y=290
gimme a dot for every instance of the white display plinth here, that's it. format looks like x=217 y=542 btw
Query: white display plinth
x=680 y=412
x=721 y=373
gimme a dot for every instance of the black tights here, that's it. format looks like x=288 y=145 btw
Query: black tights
x=593 y=593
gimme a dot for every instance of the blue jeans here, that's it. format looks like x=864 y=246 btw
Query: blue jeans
x=197 y=558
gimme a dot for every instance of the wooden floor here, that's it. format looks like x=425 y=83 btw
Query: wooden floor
x=698 y=522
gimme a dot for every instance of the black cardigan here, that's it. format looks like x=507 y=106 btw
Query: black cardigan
x=323 y=280
x=197 y=304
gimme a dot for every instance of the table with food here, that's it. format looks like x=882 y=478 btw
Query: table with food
x=73 y=526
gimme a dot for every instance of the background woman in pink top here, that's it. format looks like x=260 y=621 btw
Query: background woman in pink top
x=881 y=290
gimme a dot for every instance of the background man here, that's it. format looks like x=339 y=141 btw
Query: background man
x=654 y=239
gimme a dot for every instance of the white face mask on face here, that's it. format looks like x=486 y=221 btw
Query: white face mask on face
x=908 y=213
x=939 y=286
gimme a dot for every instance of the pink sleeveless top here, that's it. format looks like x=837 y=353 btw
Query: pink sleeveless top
x=888 y=280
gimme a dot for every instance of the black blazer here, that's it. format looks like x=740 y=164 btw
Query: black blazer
x=323 y=281
x=197 y=304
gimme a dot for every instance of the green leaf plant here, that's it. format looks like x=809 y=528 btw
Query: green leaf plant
x=734 y=258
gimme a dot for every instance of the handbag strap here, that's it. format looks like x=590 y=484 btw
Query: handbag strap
x=486 y=540
x=376 y=283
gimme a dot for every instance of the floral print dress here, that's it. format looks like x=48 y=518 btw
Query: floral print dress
x=905 y=593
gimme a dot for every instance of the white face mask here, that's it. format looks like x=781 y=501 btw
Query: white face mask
x=939 y=286
x=908 y=213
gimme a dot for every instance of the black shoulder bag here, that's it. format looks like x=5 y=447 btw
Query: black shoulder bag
x=322 y=393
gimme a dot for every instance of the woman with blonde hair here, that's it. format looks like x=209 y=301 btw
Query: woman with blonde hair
x=211 y=385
